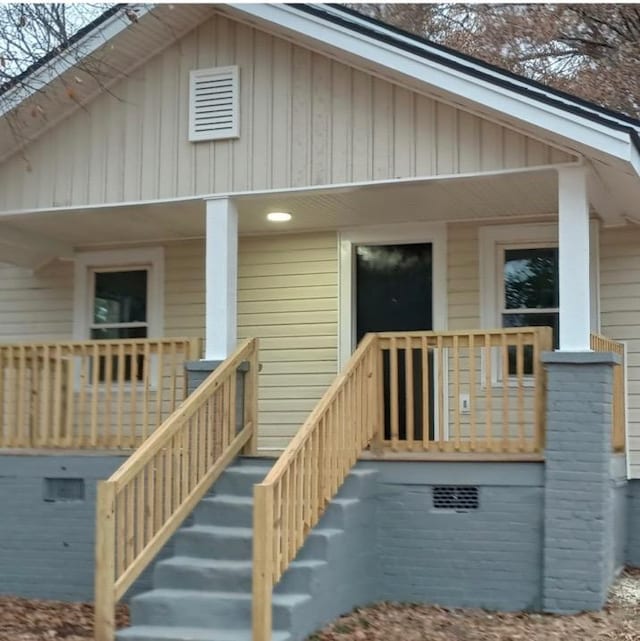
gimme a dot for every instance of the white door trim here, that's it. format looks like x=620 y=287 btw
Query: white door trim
x=409 y=233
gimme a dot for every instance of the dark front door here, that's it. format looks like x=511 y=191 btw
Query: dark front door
x=393 y=294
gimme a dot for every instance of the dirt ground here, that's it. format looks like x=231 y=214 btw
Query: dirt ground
x=32 y=620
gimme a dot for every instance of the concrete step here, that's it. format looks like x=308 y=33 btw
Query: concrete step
x=359 y=484
x=214 y=542
x=199 y=609
x=240 y=479
x=229 y=510
x=316 y=547
x=167 y=633
x=190 y=573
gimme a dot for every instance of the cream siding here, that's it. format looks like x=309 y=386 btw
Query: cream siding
x=620 y=315
x=288 y=297
x=305 y=119
x=35 y=307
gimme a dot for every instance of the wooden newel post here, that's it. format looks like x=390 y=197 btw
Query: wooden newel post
x=262 y=562
x=251 y=383
x=105 y=602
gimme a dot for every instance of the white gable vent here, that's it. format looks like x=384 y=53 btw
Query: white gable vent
x=213 y=103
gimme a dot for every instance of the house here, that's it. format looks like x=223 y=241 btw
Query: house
x=392 y=254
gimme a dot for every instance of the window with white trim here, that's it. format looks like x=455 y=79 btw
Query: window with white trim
x=119 y=296
x=529 y=293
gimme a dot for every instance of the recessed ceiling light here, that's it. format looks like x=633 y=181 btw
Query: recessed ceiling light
x=278 y=217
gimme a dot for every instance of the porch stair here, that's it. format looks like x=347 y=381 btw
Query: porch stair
x=203 y=592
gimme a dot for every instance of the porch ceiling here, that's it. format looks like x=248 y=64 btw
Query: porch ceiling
x=529 y=193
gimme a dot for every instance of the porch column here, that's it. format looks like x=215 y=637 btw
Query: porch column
x=221 y=276
x=573 y=242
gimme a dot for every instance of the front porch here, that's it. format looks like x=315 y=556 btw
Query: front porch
x=476 y=394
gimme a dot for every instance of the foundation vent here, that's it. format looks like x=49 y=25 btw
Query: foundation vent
x=456 y=498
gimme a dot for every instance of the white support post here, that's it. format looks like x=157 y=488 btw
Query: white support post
x=221 y=278
x=573 y=243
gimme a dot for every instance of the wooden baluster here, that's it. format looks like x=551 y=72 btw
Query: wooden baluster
x=146 y=383
x=456 y=391
x=520 y=383
x=442 y=419
x=95 y=384
x=83 y=382
x=504 y=350
x=141 y=506
x=22 y=414
x=57 y=397
x=176 y=447
x=426 y=393
x=69 y=404
x=540 y=404
x=130 y=540
x=173 y=374
x=408 y=383
x=121 y=529
x=473 y=403
x=5 y=421
x=107 y=427
x=120 y=368
x=150 y=502
x=160 y=384
x=186 y=459
x=133 y=398
x=393 y=375
x=488 y=362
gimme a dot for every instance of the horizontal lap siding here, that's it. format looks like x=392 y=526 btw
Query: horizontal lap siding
x=288 y=298
x=620 y=314
x=463 y=284
x=36 y=307
x=304 y=120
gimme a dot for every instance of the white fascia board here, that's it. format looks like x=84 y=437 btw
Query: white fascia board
x=69 y=57
x=486 y=94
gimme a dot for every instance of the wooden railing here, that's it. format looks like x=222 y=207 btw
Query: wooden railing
x=478 y=392
x=107 y=394
x=146 y=500
x=618 y=413
x=293 y=496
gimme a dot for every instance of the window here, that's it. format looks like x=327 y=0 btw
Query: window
x=119 y=310
x=519 y=283
x=529 y=294
x=119 y=295
x=530 y=288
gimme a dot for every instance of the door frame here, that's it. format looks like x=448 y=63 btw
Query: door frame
x=396 y=234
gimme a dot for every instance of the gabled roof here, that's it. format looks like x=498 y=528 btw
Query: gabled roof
x=468 y=64
x=405 y=58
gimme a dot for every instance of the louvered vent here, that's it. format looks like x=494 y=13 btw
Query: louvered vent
x=213 y=112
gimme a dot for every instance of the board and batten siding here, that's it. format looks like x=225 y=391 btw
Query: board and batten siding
x=620 y=315
x=305 y=119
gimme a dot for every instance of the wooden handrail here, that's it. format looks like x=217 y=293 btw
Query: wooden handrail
x=601 y=343
x=144 y=502
x=294 y=494
x=102 y=394
x=499 y=370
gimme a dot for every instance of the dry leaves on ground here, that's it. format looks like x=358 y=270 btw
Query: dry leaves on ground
x=619 y=621
x=36 y=620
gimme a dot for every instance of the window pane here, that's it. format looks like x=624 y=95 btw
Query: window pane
x=531 y=278
x=529 y=320
x=120 y=297
x=103 y=333
x=551 y=319
x=119 y=332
